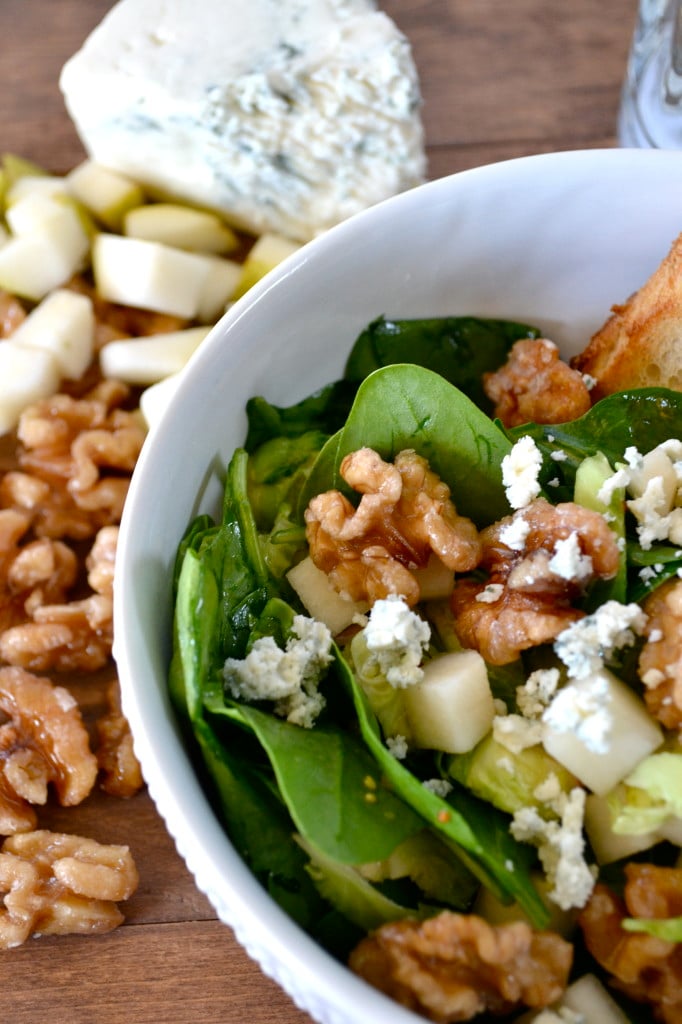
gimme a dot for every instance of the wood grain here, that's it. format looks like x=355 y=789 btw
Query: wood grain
x=499 y=80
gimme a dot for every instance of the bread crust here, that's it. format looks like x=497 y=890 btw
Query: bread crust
x=640 y=345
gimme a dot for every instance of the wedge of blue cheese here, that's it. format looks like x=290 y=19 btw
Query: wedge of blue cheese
x=286 y=116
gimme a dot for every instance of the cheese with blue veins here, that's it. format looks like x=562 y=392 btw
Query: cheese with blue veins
x=285 y=116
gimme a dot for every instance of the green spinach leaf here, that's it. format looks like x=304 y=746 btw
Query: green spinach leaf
x=405 y=406
x=460 y=348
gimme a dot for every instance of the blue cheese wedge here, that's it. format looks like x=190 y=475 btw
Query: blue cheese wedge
x=286 y=116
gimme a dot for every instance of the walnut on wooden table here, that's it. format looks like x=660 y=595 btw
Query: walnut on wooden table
x=43 y=742
x=56 y=884
x=405 y=513
x=453 y=967
x=120 y=770
x=70 y=636
x=527 y=597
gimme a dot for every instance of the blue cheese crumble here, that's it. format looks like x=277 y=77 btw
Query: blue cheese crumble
x=397 y=638
x=289 y=677
x=585 y=644
x=520 y=471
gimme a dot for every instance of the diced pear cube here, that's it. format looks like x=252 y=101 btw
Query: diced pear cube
x=15 y=167
x=608 y=846
x=36 y=184
x=148 y=360
x=155 y=399
x=267 y=252
x=452 y=707
x=27 y=374
x=107 y=194
x=55 y=217
x=321 y=600
x=219 y=287
x=587 y=996
x=633 y=735
x=149 y=275
x=32 y=265
x=180 y=226
x=63 y=324
x=435 y=580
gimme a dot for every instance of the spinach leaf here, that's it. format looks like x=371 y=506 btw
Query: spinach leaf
x=460 y=348
x=479 y=835
x=276 y=468
x=325 y=410
x=405 y=406
x=642 y=418
x=330 y=784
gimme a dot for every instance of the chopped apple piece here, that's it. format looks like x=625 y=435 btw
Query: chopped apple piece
x=31 y=266
x=63 y=324
x=149 y=275
x=608 y=846
x=632 y=735
x=321 y=600
x=267 y=252
x=155 y=399
x=588 y=998
x=150 y=359
x=180 y=226
x=435 y=580
x=107 y=194
x=35 y=184
x=27 y=374
x=452 y=707
x=219 y=287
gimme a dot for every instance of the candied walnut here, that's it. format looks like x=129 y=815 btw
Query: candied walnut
x=535 y=386
x=57 y=884
x=122 y=775
x=13 y=526
x=455 y=966
x=646 y=968
x=12 y=313
x=538 y=561
x=84 y=450
x=660 y=662
x=73 y=636
x=405 y=513
x=42 y=741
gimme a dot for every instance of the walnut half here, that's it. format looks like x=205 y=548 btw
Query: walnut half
x=56 y=884
x=454 y=966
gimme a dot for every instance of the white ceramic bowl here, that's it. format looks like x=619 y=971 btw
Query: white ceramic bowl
x=551 y=240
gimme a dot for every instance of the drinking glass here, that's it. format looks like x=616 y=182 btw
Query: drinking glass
x=651 y=103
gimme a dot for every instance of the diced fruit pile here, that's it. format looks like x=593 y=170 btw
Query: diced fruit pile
x=149 y=254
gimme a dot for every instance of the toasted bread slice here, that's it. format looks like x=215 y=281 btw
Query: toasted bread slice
x=640 y=345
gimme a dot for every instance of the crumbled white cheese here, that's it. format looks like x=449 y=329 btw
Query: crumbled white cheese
x=559 y=455
x=561 y=849
x=397 y=638
x=618 y=481
x=568 y=561
x=289 y=677
x=287 y=116
x=491 y=593
x=441 y=787
x=514 y=533
x=520 y=469
x=397 y=745
x=537 y=692
x=582 y=708
x=517 y=733
x=584 y=645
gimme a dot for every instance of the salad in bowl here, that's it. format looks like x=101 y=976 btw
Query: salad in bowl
x=412 y=617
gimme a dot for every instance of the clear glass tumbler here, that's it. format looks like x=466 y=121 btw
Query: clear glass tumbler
x=651 y=104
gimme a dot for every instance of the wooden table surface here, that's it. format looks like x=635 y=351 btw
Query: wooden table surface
x=500 y=78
